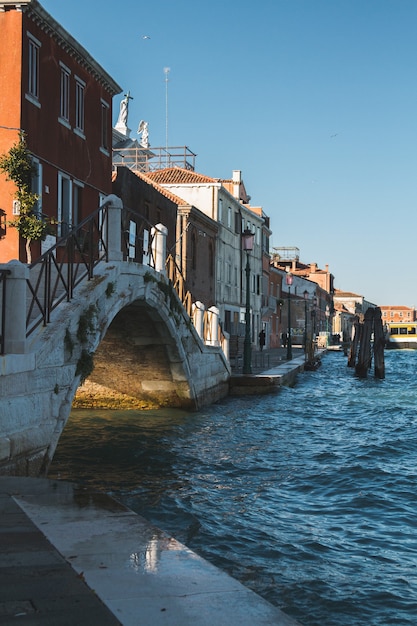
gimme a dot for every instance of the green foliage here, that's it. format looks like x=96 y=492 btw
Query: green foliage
x=149 y=277
x=17 y=164
x=85 y=365
x=110 y=289
x=69 y=342
x=18 y=167
x=86 y=323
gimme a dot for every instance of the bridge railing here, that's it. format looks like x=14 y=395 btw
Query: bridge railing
x=212 y=333
x=105 y=235
x=54 y=276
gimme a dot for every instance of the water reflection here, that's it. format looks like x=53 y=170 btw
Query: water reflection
x=307 y=496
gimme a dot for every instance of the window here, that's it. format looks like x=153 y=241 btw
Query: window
x=79 y=104
x=193 y=251
x=211 y=259
x=36 y=185
x=229 y=217
x=77 y=202
x=33 y=69
x=64 y=204
x=220 y=211
x=105 y=111
x=65 y=94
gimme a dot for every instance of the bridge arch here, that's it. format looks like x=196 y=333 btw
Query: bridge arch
x=130 y=321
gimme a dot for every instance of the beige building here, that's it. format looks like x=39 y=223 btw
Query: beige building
x=227 y=203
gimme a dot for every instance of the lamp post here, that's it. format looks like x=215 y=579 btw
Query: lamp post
x=288 y=280
x=327 y=324
x=313 y=315
x=305 y=294
x=247 y=241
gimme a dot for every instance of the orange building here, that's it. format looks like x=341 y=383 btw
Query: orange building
x=398 y=314
x=54 y=91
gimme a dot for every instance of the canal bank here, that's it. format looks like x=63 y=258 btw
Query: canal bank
x=70 y=556
x=270 y=371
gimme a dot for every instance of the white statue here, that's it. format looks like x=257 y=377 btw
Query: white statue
x=124 y=110
x=143 y=129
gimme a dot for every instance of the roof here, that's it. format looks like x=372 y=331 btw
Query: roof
x=165 y=192
x=179 y=176
x=399 y=307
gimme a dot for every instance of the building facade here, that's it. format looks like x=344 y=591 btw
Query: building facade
x=61 y=98
x=398 y=314
x=226 y=202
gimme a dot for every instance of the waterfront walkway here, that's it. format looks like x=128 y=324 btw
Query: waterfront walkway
x=71 y=557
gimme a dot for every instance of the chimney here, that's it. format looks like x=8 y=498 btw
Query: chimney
x=237 y=179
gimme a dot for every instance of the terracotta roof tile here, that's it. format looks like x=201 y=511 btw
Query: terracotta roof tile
x=178 y=176
x=165 y=192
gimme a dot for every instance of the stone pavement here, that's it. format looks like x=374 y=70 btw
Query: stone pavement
x=267 y=359
x=70 y=557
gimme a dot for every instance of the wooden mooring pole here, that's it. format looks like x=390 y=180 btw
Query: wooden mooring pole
x=361 y=345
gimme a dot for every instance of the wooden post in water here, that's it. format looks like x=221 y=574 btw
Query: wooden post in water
x=379 y=344
x=364 y=356
x=357 y=327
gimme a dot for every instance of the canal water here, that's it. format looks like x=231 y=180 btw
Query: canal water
x=309 y=496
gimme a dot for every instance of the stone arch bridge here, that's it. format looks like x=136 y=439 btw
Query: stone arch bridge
x=105 y=310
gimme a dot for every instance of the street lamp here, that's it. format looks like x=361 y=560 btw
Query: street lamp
x=313 y=315
x=247 y=241
x=305 y=294
x=288 y=280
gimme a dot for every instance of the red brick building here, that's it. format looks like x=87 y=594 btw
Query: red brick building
x=398 y=314
x=54 y=91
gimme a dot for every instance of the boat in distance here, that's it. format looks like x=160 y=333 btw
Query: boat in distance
x=401 y=336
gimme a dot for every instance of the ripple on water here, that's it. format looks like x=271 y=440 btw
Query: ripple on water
x=307 y=496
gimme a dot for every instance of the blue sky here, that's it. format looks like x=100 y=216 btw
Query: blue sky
x=314 y=100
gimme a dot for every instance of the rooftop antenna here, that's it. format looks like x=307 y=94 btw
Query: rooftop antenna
x=166 y=72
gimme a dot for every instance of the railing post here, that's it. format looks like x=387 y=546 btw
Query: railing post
x=159 y=247
x=15 y=308
x=198 y=318
x=112 y=227
x=213 y=318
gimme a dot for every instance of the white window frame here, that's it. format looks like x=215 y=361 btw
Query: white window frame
x=64 y=95
x=79 y=106
x=32 y=93
x=64 y=227
x=105 y=139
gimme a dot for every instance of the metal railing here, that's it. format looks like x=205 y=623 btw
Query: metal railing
x=139 y=159
x=55 y=275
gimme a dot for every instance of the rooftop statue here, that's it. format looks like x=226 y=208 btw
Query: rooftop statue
x=143 y=129
x=124 y=111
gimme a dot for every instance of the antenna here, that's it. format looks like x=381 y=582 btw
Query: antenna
x=166 y=72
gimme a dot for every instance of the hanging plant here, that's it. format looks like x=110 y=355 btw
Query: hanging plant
x=18 y=166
